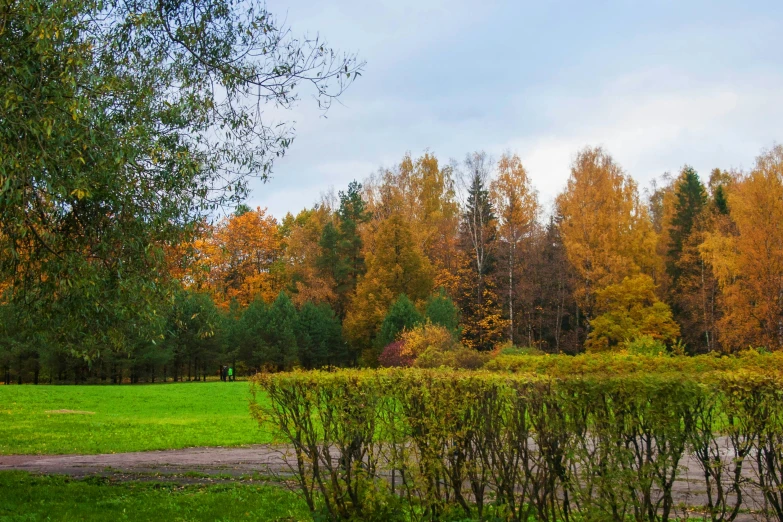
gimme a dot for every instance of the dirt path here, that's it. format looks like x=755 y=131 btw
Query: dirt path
x=265 y=460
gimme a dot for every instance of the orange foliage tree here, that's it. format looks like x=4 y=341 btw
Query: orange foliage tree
x=749 y=262
x=605 y=228
x=516 y=204
x=240 y=259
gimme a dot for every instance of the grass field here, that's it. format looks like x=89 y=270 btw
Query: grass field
x=125 y=418
x=25 y=497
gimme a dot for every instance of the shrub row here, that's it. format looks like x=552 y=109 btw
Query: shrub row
x=435 y=445
x=611 y=364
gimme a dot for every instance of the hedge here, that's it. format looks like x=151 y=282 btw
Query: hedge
x=433 y=445
x=609 y=364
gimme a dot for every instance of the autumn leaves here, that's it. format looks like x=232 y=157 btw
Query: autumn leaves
x=696 y=265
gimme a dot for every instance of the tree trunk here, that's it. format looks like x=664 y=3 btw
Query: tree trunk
x=511 y=294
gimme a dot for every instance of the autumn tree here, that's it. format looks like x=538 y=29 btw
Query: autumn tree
x=123 y=125
x=516 y=204
x=629 y=310
x=311 y=259
x=605 y=227
x=242 y=257
x=395 y=266
x=748 y=260
x=423 y=193
x=482 y=320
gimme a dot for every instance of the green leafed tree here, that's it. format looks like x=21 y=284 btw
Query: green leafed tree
x=442 y=311
x=319 y=336
x=121 y=125
x=401 y=316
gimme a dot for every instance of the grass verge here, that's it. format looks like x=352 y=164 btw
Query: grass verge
x=32 y=497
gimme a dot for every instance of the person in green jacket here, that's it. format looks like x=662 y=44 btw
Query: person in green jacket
x=230 y=373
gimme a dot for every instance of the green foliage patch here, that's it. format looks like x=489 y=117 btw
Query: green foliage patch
x=30 y=498
x=612 y=364
x=126 y=418
x=422 y=444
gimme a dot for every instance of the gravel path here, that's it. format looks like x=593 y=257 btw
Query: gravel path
x=265 y=460
x=262 y=459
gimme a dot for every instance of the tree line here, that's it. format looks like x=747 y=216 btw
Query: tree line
x=124 y=126
x=689 y=266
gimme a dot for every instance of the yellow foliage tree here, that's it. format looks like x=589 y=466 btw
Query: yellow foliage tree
x=605 y=228
x=422 y=192
x=516 y=206
x=629 y=310
x=748 y=263
x=395 y=265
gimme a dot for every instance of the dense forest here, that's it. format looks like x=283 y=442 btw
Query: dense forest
x=688 y=266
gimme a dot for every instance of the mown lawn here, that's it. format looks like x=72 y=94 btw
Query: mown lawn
x=126 y=418
x=25 y=497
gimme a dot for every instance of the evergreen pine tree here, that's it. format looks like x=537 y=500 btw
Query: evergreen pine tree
x=690 y=199
x=351 y=215
x=281 y=333
x=401 y=316
x=442 y=311
x=482 y=321
x=319 y=336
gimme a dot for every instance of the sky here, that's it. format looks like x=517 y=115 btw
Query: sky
x=657 y=84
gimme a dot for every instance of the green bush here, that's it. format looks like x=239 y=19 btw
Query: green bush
x=646 y=345
x=610 y=364
x=457 y=357
x=426 y=444
x=510 y=349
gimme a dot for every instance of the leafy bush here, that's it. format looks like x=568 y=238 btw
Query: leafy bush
x=457 y=357
x=394 y=355
x=612 y=364
x=646 y=345
x=427 y=336
x=424 y=444
x=433 y=346
x=508 y=348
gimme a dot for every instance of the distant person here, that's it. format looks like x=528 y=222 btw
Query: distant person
x=230 y=373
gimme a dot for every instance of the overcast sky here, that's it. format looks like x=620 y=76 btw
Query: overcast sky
x=658 y=84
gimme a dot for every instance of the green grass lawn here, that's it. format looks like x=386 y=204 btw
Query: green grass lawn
x=25 y=497
x=126 y=418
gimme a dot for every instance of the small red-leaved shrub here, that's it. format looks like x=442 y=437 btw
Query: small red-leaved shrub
x=394 y=356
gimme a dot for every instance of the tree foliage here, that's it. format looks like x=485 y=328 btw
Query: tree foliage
x=604 y=226
x=123 y=123
x=629 y=310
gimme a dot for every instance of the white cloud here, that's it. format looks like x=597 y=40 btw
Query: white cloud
x=657 y=94
x=649 y=132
